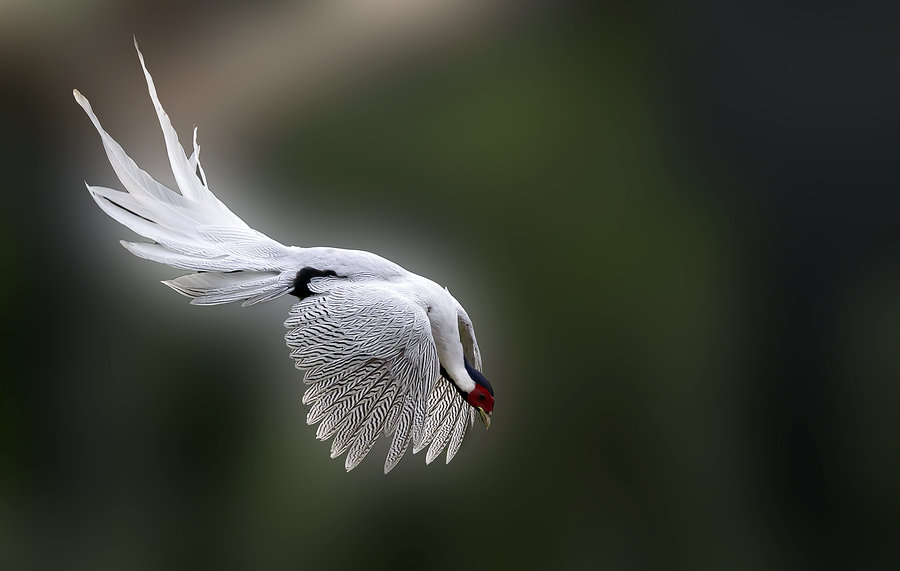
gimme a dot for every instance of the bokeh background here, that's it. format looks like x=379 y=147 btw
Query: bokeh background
x=675 y=224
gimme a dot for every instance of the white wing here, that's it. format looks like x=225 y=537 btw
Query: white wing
x=446 y=421
x=372 y=367
x=467 y=338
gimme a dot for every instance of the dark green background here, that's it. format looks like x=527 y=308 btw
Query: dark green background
x=676 y=227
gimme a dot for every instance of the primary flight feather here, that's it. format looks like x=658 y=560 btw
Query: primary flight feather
x=385 y=351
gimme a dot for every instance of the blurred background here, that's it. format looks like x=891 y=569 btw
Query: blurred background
x=676 y=226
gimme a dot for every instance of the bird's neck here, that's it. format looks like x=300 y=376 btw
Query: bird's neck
x=450 y=353
x=461 y=379
x=442 y=311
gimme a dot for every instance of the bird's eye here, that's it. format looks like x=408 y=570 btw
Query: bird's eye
x=480 y=397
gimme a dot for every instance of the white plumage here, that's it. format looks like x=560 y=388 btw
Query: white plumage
x=381 y=347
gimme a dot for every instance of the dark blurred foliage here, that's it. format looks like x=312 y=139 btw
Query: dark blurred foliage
x=676 y=226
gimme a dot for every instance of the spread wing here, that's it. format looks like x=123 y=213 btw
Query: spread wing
x=372 y=368
x=448 y=417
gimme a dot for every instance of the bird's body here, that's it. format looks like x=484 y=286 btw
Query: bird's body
x=385 y=351
x=444 y=312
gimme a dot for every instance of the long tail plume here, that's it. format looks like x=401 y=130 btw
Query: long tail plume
x=190 y=229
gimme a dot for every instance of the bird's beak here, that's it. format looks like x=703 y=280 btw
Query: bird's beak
x=485 y=417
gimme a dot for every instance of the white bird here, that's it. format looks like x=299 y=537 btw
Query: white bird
x=384 y=350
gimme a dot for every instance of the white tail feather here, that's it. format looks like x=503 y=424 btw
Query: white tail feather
x=191 y=230
x=212 y=288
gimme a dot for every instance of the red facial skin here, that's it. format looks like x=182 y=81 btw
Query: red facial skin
x=481 y=398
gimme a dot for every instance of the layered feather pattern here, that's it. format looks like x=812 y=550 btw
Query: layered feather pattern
x=372 y=369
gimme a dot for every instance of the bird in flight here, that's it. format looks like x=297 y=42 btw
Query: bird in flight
x=383 y=350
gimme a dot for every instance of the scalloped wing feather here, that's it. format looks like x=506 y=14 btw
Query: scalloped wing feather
x=371 y=364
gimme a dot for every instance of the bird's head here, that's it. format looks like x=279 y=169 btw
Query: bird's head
x=482 y=396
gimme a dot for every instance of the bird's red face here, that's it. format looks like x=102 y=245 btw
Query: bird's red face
x=482 y=400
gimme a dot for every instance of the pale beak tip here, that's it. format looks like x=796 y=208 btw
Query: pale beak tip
x=485 y=417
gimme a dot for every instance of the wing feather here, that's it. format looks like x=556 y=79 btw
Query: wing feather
x=459 y=431
x=401 y=436
x=438 y=404
x=467 y=337
x=446 y=423
x=367 y=433
x=370 y=363
x=440 y=439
